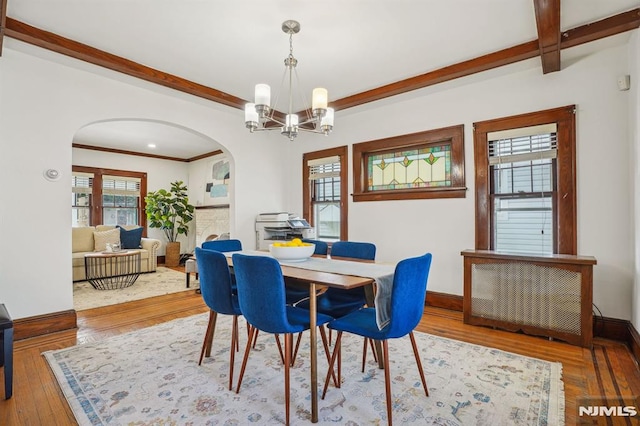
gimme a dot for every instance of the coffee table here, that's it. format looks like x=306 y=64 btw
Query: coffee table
x=112 y=270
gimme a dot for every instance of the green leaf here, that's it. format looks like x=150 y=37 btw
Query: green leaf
x=170 y=210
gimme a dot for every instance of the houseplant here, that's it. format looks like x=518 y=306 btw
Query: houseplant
x=171 y=212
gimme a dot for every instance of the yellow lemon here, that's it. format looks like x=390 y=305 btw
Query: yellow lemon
x=296 y=241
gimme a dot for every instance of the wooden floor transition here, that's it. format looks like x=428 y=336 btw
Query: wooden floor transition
x=608 y=371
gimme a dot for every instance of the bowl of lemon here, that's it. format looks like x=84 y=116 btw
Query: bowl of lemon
x=295 y=250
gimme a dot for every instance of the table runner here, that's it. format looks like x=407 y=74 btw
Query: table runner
x=381 y=273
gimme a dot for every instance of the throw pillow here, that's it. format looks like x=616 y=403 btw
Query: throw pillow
x=130 y=239
x=102 y=238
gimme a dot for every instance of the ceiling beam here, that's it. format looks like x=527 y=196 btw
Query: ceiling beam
x=584 y=34
x=45 y=39
x=548 y=23
x=613 y=25
x=451 y=72
x=3 y=21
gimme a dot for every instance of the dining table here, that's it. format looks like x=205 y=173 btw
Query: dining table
x=320 y=272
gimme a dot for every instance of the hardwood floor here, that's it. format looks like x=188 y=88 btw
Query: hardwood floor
x=608 y=371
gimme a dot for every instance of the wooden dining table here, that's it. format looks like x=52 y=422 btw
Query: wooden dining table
x=316 y=280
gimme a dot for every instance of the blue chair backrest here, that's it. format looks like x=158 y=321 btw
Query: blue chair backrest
x=261 y=293
x=215 y=281
x=222 y=245
x=321 y=247
x=408 y=295
x=356 y=250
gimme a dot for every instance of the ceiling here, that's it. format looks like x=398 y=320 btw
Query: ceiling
x=349 y=47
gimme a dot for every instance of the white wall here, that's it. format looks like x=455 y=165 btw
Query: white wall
x=445 y=227
x=44 y=99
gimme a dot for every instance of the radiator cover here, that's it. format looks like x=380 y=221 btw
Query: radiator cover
x=548 y=296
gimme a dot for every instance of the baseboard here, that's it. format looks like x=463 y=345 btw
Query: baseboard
x=606 y=328
x=634 y=343
x=444 y=300
x=611 y=328
x=25 y=328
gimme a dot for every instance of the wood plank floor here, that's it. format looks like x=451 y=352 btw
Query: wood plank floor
x=608 y=371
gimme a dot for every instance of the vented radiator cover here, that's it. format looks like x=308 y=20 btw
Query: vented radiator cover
x=523 y=293
x=547 y=295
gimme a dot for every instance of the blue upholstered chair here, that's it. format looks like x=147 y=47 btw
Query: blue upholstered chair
x=217 y=293
x=222 y=245
x=219 y=244
x=261 y=294
x=406 y=309
x=322 y=248
x=336 y=302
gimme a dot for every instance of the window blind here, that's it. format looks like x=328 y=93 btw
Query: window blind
x=120 y=185
x=524 y=144
x=82 y=183
x=323 y=168
x=522 y=167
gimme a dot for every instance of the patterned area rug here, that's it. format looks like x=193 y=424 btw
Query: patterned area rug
x=163 y=281
x=152 y=377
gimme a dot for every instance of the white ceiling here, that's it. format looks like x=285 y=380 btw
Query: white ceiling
x=346 y=46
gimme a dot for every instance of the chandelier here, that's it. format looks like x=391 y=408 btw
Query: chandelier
x=260 y=115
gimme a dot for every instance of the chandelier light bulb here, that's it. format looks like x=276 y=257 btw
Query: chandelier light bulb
x=263 y=94
x=251 y=117
x=319 y=98
x=292 y=120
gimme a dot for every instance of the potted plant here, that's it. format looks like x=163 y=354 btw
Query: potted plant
x=171 y=212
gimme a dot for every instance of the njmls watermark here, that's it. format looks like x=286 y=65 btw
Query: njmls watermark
x=592 y=408
x=608 y=411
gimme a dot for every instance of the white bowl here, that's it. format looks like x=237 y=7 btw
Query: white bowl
x=292 y=254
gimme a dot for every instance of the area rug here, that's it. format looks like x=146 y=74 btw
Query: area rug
x=152 y=377
x=163 y=281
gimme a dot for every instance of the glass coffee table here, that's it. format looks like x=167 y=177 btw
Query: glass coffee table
x=112 y=270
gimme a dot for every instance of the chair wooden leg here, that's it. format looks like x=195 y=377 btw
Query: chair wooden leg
x=339 y=364
x=277 y=337
x=295 y=351
x=336 y=349
x=256 y=339
x=418 y=362
x=373 y=349
x=232 y=349
x=325 y=343
x=208 y=336
x=387 y=380
x=364 y=353
x=252 y=334
x=288 y=345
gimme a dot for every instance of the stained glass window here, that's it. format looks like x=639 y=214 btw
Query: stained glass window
x=424 y=167
x=427 y=164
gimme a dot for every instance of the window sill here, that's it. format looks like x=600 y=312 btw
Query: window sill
x=410 y=194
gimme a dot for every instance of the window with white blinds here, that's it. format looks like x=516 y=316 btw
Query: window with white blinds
x=81 y=189
x=107 y=197
x=120 y=200
x=523 y=188
x=324 y=176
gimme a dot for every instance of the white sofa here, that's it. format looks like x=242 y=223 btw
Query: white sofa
x=83 y=242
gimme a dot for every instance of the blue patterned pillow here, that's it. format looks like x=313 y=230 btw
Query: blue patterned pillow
x=130 y=239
